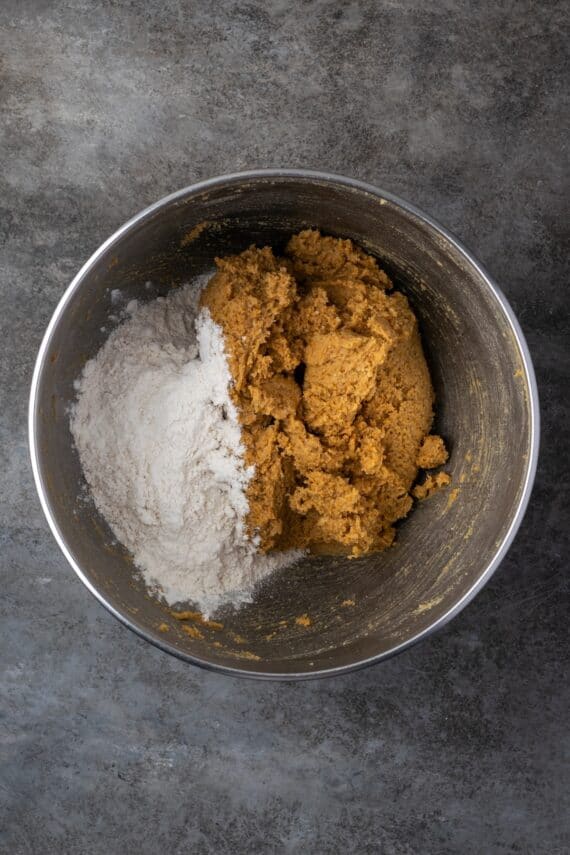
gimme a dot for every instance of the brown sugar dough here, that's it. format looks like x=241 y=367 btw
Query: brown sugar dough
x=332 y=389
x=432 y=453
x=431 y=485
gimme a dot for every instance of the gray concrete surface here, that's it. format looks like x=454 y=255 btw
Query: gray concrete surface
x=109 y=746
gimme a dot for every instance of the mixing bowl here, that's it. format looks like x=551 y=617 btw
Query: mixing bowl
x=353 y=612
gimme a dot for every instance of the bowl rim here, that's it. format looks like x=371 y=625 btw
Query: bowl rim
x=355 y=184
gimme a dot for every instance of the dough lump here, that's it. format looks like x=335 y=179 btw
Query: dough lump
x=332 y=389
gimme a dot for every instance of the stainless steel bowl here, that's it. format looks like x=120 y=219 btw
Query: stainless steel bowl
x=361 y=611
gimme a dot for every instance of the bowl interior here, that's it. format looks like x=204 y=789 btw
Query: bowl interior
x=358 y=609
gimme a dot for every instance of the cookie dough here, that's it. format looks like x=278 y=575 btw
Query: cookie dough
x=333 y=392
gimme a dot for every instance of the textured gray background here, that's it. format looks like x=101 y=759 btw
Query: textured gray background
x=109 y=746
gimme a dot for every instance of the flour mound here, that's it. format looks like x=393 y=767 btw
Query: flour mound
x=159 y=442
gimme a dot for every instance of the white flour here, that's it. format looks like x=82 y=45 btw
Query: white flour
x=160 y=445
